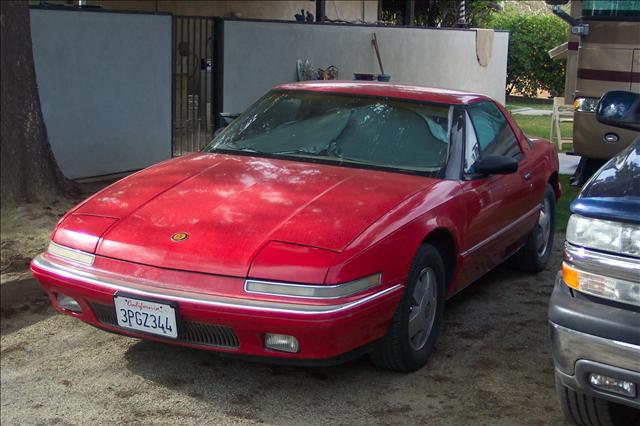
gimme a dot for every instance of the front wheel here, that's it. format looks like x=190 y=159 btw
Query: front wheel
x=415 y=326
x=534 y=255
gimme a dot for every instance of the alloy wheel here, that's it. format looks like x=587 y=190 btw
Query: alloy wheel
x=423 y=309
x=543 y=227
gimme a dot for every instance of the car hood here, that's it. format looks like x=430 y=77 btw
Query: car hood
x=619 y=177
x=231 y=207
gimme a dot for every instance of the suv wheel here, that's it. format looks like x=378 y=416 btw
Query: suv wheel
x=587 y=410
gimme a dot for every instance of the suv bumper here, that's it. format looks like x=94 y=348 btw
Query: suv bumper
x=589 y=337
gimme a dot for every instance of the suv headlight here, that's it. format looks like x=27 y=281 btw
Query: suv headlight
x=605 y=235
x=585 y=104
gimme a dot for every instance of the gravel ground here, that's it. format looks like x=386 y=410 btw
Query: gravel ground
x=492 y=366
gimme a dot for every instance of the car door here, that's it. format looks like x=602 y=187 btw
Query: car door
x=500 y=209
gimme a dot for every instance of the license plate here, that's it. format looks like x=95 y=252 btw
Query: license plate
x=149 y=317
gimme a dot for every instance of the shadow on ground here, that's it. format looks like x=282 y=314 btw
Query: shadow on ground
x=491 y=365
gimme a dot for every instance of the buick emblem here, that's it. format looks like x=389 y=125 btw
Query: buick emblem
x=179 y=236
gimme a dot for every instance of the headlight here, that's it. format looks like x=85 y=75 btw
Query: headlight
x=67 y=253
x=313 y=291
x=585 y=104
x=604 y=235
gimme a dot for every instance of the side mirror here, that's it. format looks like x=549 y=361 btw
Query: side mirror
x=619 y=108
x=228 y=117
x=496 y=165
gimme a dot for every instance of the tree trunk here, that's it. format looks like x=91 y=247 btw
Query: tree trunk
x=28 y=170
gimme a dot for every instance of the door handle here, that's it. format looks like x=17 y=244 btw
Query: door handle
x=527 y=176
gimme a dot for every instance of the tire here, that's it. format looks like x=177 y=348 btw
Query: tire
x=586 y=168
x=534 y=255
x=587 y=410
x=410 y=337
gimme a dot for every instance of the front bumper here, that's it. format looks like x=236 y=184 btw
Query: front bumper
x=326 y=329
x=590 y=337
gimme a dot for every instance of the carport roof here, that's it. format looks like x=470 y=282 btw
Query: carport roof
x=403 y=91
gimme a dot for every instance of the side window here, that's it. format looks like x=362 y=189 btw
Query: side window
x=488 y=133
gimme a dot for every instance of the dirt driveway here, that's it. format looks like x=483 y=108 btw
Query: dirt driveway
x=492 y=366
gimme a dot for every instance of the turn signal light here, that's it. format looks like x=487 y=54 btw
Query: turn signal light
x=570 y=276
x=601 y=286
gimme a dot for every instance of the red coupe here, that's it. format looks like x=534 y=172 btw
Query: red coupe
x=327 y=221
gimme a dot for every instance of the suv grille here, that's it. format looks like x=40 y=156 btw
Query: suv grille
x=196 y=333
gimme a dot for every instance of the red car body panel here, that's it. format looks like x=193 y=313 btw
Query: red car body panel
x=232 y=206
x=391 y=90
x=289 y=221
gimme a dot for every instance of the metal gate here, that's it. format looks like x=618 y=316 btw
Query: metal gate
x=193 y=94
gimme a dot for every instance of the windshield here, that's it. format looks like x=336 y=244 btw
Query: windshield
x=343 y=129
x=611 y=9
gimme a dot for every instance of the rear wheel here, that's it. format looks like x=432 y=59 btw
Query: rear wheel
x=534 y=255
x=415 y=326
x=586 y=410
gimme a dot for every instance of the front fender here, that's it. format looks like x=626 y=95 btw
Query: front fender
x=390 y=244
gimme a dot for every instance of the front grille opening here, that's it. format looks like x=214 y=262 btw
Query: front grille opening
x=195 y=333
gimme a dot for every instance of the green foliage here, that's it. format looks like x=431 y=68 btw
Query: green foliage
x=439 y=13
x=529 y=67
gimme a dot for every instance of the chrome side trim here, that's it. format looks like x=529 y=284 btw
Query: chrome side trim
x=64 y=271
x=610 y=265
x=312 y=291
x=568 y=346
x=68 y=253
x=501 y=232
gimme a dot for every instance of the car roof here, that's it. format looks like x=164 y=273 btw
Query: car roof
x=391 y=90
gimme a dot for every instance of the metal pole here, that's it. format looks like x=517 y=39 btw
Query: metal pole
x=321 y=10
x=462 y=14
x=409 y=12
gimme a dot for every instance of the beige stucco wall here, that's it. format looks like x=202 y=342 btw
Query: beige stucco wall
x=348 y=10
x=260 y=55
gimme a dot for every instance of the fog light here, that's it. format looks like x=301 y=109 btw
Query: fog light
x=609 y=384
x=281 y=342
x=68 y=303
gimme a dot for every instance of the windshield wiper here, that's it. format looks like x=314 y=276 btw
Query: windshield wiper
x=238 y=150
x=325 y=156
x=301 y=152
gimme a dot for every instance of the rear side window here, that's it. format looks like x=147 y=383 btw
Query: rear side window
x=493 y=135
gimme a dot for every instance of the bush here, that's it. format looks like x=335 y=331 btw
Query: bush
x=529 y=67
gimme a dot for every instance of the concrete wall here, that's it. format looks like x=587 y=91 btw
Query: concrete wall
x=105 y=87
x=348 y=10
x=260 y=55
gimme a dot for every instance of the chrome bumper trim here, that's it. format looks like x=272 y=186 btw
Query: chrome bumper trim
x=569 y=346
x=41 y=262
x=622 y=267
